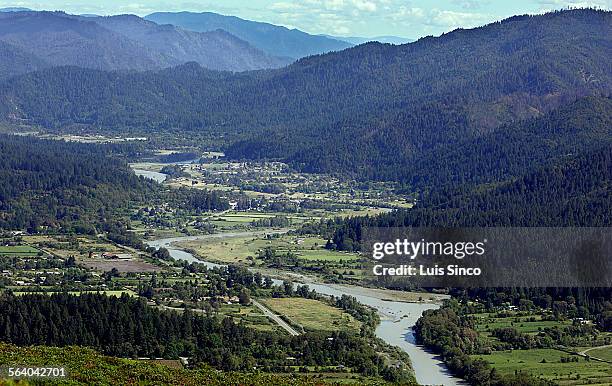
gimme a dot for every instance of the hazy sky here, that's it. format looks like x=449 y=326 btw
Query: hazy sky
x=407 y=18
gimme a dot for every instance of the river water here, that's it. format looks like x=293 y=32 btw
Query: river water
x=155 y=176
x=397 y=318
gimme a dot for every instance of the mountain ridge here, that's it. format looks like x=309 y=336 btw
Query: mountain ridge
x=274 y=39
x=216 y=50
x=124 y=42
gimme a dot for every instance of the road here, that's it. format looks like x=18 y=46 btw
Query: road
x=584 y=352
x=275 y=318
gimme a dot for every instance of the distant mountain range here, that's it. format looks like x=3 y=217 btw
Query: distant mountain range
x=216 y=50
x=355 y=40
x=374 y=110
x=121 y=43
x=15 y=9
x=38 y=39
x=273 y=39
x=61 y=39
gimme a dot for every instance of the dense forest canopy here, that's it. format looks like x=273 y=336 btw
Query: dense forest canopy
x=59 y=184
x=83 y=188
x=394 y=103
x=128 y=327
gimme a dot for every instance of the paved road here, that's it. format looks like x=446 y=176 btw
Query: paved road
x=275 y=318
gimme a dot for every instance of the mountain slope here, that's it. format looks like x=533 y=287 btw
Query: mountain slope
x=372 y=110
x=60 y=39
x=516 y=148
x=14 y=61
x=217 y=50
x=555 y=170
x=121 y=43
x=276 y=40
x=576 y=192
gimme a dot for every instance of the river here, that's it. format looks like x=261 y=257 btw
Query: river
x=155 y=176
x=397 y=318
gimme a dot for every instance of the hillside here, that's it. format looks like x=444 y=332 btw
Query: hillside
x=216 y=50
x=14 y=61
x=273 y=39
x=555 y=170
x=123 y=42
x=517 y=148
x=86 y=366
x=63 y=186
x=395 y=103
x=574 y=193
x=60 y=39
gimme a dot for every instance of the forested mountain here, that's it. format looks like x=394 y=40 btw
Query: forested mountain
x=576 y=192
x=372 y=110
x=60 y=39
x=14 y=61
x=555 y=170
x=216 y=50
x=276 y=40
x=518 y=147
x=123 y=42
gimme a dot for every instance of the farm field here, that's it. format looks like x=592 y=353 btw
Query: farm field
x=238 y=249
x=19 y=250
x=249 y=315
x=312 y=314
x=604 y=353
x=135 y=265
x=486 y=323
x=547 y=364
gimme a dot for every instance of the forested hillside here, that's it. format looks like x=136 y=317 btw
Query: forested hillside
x=551 y=171
x=14 y=61
x=576 y=192
x=517 y=148
x=53 y=184
x=128 y=327
x=86 y=367
x=395 y=103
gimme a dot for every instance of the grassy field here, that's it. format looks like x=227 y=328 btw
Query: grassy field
x=604 y=353
x=547 y=363
x=313 y=314
x=237 y=249
x=18 y=250
x=486 y=323
x=250 y=315
x=60 y=246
